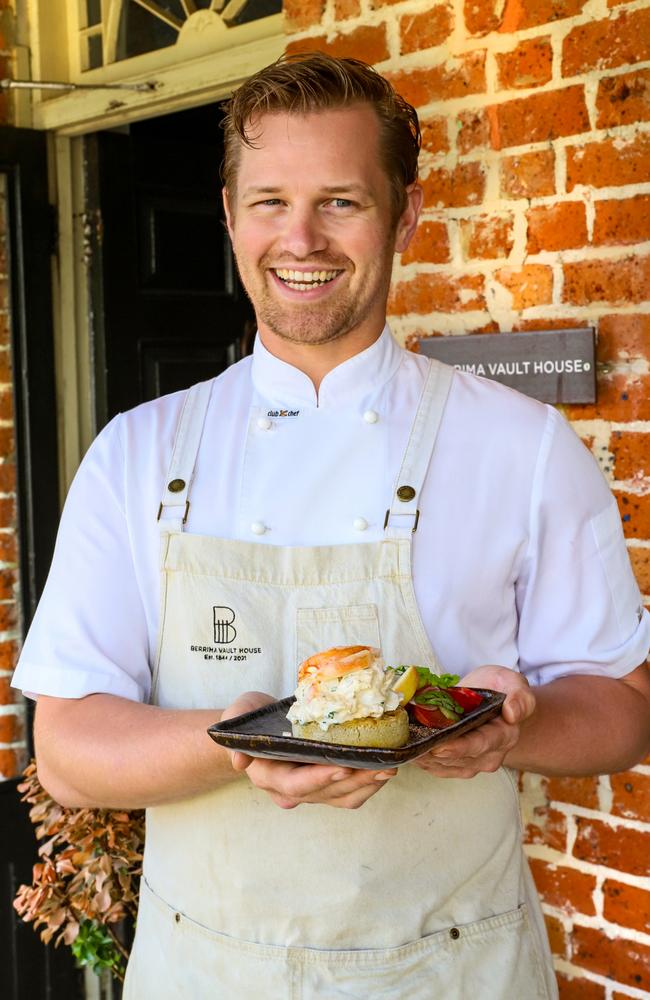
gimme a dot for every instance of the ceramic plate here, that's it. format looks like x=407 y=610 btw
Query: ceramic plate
x=262 y=733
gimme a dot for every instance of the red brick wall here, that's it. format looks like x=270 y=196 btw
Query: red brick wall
x=13 y=749
x=536 y=169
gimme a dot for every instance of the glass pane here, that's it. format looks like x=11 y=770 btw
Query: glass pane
x=141 y=32
x=93 y=12
x=255 y=9
x=95 y=52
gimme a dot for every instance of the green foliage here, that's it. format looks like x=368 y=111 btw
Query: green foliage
x=94 y=947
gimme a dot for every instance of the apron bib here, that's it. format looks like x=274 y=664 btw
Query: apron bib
x=423 y=892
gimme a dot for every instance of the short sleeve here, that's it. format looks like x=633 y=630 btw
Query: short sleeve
x=89 y=633
x=580 y=610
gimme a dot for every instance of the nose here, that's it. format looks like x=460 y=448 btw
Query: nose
x=303 y=233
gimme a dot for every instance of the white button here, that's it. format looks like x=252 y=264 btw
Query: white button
x=371 y=416
x=258 y=528
x=360 y=523
x=264 y=423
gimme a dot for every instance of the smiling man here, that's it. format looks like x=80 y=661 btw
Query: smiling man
x=287 y=529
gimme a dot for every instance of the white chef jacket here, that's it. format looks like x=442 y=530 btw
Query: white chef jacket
x=519 y=557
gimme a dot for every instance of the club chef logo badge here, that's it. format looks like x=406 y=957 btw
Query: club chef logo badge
x=222 y=638
x=224 y=630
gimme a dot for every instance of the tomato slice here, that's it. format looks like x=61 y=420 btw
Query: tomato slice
x=426 y=715
x=467 y=698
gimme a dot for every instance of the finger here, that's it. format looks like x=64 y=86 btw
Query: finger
x=519 y=705
x=246 y=702
x=495 y=735
x=353 y=799
x=240 y=761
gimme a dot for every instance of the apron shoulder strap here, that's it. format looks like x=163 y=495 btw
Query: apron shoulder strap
x=175 y=504
x=402 y=516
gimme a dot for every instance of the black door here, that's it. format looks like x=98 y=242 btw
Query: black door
x=169 y=309
x=28 y=970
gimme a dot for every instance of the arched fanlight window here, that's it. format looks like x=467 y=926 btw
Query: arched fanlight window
x=113 y=30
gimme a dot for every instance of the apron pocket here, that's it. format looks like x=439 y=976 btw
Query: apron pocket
x=175 y=958
x=318 y=629
x=491 y=959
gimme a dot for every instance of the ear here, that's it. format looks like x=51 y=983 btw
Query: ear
x=227 y=211
x=408 y=220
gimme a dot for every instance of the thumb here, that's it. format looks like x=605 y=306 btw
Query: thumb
x=519 y=705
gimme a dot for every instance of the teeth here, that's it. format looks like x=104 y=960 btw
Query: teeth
x=303 y=280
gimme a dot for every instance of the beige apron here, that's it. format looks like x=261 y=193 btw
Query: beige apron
x=423 y=892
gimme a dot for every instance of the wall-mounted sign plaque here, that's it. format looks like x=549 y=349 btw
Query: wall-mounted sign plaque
x=556 y=366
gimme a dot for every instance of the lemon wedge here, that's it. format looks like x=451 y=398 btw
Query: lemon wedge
x=407 y=684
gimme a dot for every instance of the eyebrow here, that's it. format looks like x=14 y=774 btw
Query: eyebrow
x=329 y=189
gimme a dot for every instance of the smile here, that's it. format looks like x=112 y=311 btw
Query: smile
x=304 y=281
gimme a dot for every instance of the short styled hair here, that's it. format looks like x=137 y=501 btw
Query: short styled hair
x=313 y=81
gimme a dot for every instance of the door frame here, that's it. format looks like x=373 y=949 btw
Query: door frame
x=200 y=80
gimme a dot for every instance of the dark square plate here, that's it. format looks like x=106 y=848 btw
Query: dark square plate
x=260 y=734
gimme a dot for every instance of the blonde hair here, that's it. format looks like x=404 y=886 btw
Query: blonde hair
x=312 y=81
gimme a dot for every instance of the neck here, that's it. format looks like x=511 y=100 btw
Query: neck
x=316 y=360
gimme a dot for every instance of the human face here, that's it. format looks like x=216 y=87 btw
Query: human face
x=312 y=228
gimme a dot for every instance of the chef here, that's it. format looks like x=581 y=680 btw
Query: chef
x=332 y=489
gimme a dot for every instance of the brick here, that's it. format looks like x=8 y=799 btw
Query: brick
x=564 y=888
x=612 y=162
x=457 y=188
x=635 y=514
x=12 y=728
x=626 y=905
x=434 y=134
x=614 y=41
x=529 y=65
x=7 y=477
x=7 y=512
x=557 y=323
x=614 y=847
x=346 y=8
x=487 y=237
x=619 y=282
x=8 y=616
x=576 y=791
x=301 y=14
x=6 y=366
x=620 y=397
x=624 y=99
x=620 y=960
x=8 y=654
x=483 y=16
x=530 y=285
x=631 y=794
x=8 y=695
x=8 y=547
x=430 y=244
x=12 y=763
x=557 y=936
x=453 y=78
x=548 y=828
x=425 y=29
x=437 y=293
x=367 y=42
x=622 y=221
x=5 y=330
x=6 y=404
x=529 y=175
x=631 y=451
x=473 y=131
x=7 y=442
x=562 y=226
x=579 y=989
x=8 y=584
x=538 y=118
x=640 y=560
x=623 y=337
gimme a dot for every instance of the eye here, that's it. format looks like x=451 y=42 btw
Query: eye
x=341 y=203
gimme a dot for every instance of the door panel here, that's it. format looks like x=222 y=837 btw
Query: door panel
x=170 y=309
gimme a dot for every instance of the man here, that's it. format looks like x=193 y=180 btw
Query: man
x=282 y=534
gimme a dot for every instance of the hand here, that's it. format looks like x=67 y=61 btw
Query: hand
x=290 y=785
x=485 y=748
